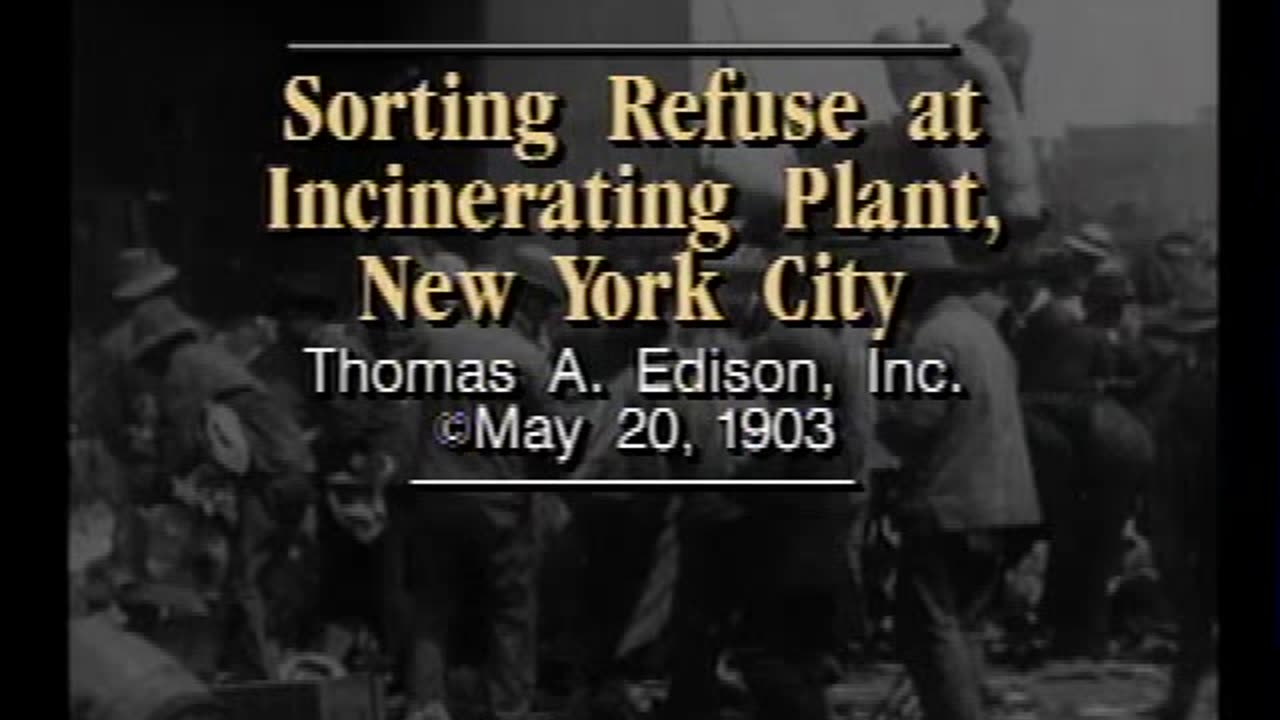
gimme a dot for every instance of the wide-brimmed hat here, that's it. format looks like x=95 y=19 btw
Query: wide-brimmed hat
x=141 y=272
x=1092 y=240
x=158 y=323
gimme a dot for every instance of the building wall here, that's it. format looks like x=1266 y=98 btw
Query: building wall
x=1164 y=175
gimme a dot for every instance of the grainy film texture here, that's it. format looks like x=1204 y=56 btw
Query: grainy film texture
x=986 y=491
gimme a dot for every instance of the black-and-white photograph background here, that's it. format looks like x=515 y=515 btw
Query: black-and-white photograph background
x=1042 y=546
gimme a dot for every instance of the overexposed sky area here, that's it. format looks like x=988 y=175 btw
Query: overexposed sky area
x=1094 y=62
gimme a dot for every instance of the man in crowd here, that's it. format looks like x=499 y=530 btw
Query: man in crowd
x=1115 y=457
x=359 y=444
x=220 y=416
x=968 y=479
x=1079 y=437
x=1007 y=39
x=128 y=395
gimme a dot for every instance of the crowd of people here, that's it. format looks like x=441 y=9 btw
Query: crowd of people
x=254 y=530
x=241 y=519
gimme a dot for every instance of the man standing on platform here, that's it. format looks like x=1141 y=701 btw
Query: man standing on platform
x=1007 y=39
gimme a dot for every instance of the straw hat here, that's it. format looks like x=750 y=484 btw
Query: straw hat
x=157 y=323
x=141 y=272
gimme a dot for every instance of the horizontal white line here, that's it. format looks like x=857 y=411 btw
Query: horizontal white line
x=623 y=48
x=620 y=483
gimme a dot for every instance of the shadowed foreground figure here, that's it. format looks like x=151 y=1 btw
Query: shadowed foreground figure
x=1090 y=451
x=475 y=551
x=764 y=573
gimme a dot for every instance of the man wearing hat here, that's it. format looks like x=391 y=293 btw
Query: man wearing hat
x=1078 y=434
x=142 y=277
x=474 y=550
x=221 y=415
x=966 y=482
x=1114 y=453
x=359 y=443
x=1182 y=497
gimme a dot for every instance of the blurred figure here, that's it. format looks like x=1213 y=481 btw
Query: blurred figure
x=126 y=405
x=141 y=277
x=1110 y=306
x=1115 y=455
x=1060 y=360
x=453 y=550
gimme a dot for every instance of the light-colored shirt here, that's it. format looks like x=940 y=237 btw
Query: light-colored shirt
x=966 y=455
